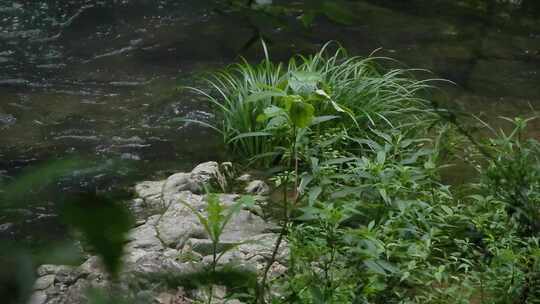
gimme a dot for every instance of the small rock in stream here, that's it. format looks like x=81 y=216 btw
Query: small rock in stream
x=6 y=226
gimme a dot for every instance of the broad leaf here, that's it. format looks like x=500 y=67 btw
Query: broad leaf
x=304 y=83
x=103 y=223
x=301 y=114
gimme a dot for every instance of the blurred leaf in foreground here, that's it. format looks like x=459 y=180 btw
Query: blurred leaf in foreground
x=36 y=178
x=103 y=223
x=16 y=274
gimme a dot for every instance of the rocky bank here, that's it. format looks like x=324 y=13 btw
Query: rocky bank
x=168 y=241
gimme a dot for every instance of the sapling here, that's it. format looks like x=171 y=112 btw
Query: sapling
x=214 y=222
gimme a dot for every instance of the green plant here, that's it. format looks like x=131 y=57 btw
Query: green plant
x=257 y=102
x=214 y=223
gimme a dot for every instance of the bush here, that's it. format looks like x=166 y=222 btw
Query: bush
x=369 y=219
x=257 y=102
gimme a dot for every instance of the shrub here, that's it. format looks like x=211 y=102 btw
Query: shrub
x=349 y=92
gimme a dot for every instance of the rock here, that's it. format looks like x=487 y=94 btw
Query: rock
x=150 y=192
x=257 y=187
x=67 y=276
x=129 y=156
x=227 y=170
x=178 y=297
x=52 y=269
x=218 y=294
x=154 y=262
x=170 y=240
x=179 y=223
x=92 y=266
x=6 y=226
x=44 y=282
x=144 y=237
x=205 y=174
x=244 y=178
x=177 y=183
x=7 y=119
x=39 y=297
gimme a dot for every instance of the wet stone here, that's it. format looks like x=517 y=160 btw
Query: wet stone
x=44 y=282
x=6 y=226
x=39 y=297
x=7 y=119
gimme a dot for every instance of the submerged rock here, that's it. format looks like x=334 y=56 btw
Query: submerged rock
x=7 y=119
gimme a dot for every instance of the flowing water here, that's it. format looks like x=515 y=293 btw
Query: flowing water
x=100 y=79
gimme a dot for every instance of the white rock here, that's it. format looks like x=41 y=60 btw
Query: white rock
x=38 y=297
x=257 y=187
x=44 y=282
x=144 y=237
x=150 y=192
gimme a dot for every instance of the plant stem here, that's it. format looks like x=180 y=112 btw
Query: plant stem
x=262 y=287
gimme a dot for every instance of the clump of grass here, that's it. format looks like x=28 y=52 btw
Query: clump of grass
x=357 y=91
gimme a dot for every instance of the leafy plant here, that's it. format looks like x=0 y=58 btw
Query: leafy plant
x=214 y=222
x=258 y=103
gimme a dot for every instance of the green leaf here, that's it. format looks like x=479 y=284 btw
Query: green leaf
x=249 y=134
x=322 y=93
x=215 y=215
x=277 y=122
x=317 y=295
x=261 y=118
x=309 y=214
x=273 y=111
x=447 y=209
x=16 y=274
x=314 y=194
x=381 y=157
x=320 y=119
x=374 y=267
x=258 y=96
x=304 y=83
x=103 y=223
x=198 y=122
x=384 y=195
x=304 y=182
x=339 y=161
x=301 y=114
x=35 y=178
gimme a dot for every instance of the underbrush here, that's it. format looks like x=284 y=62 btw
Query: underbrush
x=370 y=219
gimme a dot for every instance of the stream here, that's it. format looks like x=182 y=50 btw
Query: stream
x=101 y=80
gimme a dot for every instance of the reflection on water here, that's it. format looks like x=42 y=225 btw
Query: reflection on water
x=99 y=79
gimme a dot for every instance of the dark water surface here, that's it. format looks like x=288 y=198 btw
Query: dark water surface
x=98 y=79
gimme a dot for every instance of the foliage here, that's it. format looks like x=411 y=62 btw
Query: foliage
x=260 y=103
x=388 y=230
x=214 y=222
x=365 y=212
x=370 y=219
